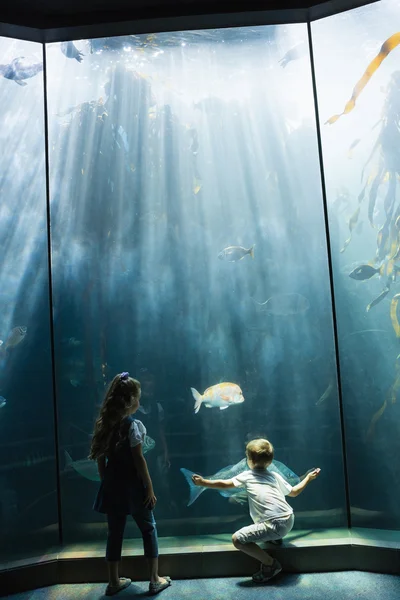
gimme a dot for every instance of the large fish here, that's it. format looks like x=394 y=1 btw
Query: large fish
x=221 y=395
x=20 y=69
x=88 y=468
x=233 y=471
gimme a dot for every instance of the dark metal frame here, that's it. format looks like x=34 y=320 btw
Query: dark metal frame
x=186 y=17
x=51 y=311
x=331 y=279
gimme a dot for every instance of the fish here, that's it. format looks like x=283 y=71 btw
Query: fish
x=3 y=402
x=71 y=51
x=222 y=396
x=392 y=42
x=28 y=462
x=283 y=305
x=364 y=272
x=232 y=471
x=19 y=69
x=197 y=185
x=294 y=53
x=353 y=145
x=235 y=253
x=72 y=342
x=88 y=468
x=352 y=224
x=378 y=299
x=325 y=395
x=15 y=337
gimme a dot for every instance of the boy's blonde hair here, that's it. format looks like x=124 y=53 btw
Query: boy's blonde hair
x=260 y=452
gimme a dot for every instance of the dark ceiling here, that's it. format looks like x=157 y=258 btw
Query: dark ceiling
x=64 y=17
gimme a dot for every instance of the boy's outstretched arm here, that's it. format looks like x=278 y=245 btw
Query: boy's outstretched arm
x=297 y=489
x=212 y=483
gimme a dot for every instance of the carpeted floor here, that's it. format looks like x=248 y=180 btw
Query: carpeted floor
x=348 y=585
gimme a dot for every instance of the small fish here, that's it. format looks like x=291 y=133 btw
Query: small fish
x=231 y=471
x=378 y=299
x=16 y=336
x=3 y=401
x=221 y=395
x=235 y=253
x=197 y=185
x=283 y=305
x=294 y=53
x=71 y=51
x=72 y=342
x=353 y=145
x=364 y=272
x=325 y=395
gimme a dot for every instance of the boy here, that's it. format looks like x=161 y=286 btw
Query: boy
x=272 y=515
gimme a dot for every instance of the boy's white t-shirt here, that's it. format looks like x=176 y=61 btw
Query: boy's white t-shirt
x=266 y=491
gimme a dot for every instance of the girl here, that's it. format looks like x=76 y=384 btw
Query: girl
x=126 y=487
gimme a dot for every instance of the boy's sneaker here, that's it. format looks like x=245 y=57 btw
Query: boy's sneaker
x=267 y=572
x=277 y=542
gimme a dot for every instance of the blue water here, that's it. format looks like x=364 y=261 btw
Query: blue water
x=165 y=151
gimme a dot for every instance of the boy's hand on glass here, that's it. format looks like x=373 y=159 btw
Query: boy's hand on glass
x=314 y=473
x=150 y=500
x=197 y=479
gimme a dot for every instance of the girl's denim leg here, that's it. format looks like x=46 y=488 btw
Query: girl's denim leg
x=144 y=519
x=116 y=527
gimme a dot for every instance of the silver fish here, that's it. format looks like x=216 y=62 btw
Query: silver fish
x=15 y=336
x=88 y=468
x=283 y=305
x=235 y=253
x=232 y=471
x=3 y=401
x=325 y=395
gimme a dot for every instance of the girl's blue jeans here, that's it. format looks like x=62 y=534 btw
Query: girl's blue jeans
x=144 y=519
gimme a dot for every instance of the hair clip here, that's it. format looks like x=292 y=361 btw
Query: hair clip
x=124 y=376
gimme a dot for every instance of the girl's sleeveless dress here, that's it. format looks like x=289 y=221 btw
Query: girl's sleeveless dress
x=121 y=491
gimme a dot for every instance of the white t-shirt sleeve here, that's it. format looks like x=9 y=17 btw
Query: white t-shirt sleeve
x=285 y=487
x=137 y=431
x=240 y=480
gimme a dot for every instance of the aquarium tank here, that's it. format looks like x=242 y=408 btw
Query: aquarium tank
x=215 y=212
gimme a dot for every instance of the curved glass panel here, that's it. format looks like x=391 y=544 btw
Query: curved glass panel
x=361 y=163
x=28 y=498
x=189 y=249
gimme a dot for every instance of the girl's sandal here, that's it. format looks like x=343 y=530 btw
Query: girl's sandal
x=124 y=582
x=155 y=588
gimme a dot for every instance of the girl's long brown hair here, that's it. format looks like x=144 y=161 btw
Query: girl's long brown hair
x=121 y=394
